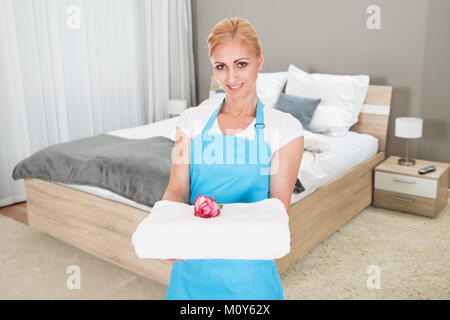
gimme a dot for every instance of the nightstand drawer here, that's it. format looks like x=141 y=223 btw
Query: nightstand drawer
x=406 y=184
x=404 y=202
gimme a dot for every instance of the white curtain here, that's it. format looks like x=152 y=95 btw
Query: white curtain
x=170 y=60
x=14 y=141
x=70 y=69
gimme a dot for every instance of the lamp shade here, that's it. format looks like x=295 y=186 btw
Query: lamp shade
x=408 y=127
x=176 y=106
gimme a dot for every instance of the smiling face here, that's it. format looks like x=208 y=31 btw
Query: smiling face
x=235 y=66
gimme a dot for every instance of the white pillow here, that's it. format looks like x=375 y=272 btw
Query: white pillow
x=331 y=121
x=342 y=98
x=268 y=87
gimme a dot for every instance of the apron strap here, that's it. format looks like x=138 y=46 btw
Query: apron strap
x=259 y=125
x=211 y=119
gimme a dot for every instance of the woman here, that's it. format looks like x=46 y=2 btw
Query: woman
x=236 y=57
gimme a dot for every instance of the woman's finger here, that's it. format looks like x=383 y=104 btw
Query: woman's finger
x=172 y=260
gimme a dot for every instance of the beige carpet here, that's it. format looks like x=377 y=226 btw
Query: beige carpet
x=412 y=253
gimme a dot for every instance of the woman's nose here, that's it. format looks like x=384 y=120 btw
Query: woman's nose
x=233 y=76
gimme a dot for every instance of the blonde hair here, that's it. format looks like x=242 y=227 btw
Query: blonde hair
x=231 y=28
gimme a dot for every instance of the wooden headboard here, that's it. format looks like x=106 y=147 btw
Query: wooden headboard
x=374 y=116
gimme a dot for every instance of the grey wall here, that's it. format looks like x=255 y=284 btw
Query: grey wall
x=411 y=53
x=435 y=103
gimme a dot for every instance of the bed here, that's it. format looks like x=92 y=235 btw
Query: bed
x=102 y=223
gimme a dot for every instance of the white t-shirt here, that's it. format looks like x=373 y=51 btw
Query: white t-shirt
x=280 y=127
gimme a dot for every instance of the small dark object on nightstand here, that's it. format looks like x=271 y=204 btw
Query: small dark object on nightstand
x=427 y=169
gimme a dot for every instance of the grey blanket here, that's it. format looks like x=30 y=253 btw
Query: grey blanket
x=137 y=169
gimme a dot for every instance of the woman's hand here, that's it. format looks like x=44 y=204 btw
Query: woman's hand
x=172 y=260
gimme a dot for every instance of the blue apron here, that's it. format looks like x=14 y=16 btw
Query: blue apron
x=227 y=168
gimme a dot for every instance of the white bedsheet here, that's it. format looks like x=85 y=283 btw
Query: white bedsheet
x=350 y=150
x=316 y=169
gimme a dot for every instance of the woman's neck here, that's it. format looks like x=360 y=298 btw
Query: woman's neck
x=240 y=107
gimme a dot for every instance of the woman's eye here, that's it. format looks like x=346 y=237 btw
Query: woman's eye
x=241 y=64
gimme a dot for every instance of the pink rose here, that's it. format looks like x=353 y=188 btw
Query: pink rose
x=205 y=207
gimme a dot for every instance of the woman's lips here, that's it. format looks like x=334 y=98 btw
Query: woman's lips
x=235 y=88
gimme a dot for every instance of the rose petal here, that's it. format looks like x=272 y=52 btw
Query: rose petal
x=206 y=207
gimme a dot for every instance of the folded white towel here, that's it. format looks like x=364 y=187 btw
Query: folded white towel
x=258 y=230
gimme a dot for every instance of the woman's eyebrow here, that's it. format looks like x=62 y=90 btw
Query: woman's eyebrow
x=233 y=61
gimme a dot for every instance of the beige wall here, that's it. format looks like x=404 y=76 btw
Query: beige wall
x=411 y=52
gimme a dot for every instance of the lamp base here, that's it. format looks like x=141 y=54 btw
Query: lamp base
x=406 y=162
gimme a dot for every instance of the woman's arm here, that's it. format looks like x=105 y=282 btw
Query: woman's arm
x=179 y=188
x=285 y=165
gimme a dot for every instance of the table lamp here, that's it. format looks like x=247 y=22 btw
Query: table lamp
x=409 y=128
x=176 y=106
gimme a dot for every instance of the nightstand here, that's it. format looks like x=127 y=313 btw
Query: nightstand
x=402 y=188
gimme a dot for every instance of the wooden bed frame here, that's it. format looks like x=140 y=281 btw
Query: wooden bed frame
x=104 y=227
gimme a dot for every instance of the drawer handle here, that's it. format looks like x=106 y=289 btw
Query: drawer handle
x=402 y=199
x=404 y=180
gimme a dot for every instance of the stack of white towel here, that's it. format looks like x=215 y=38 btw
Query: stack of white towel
x=258 y=230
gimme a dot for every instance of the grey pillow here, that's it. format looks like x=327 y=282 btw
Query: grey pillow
x=301 y=108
